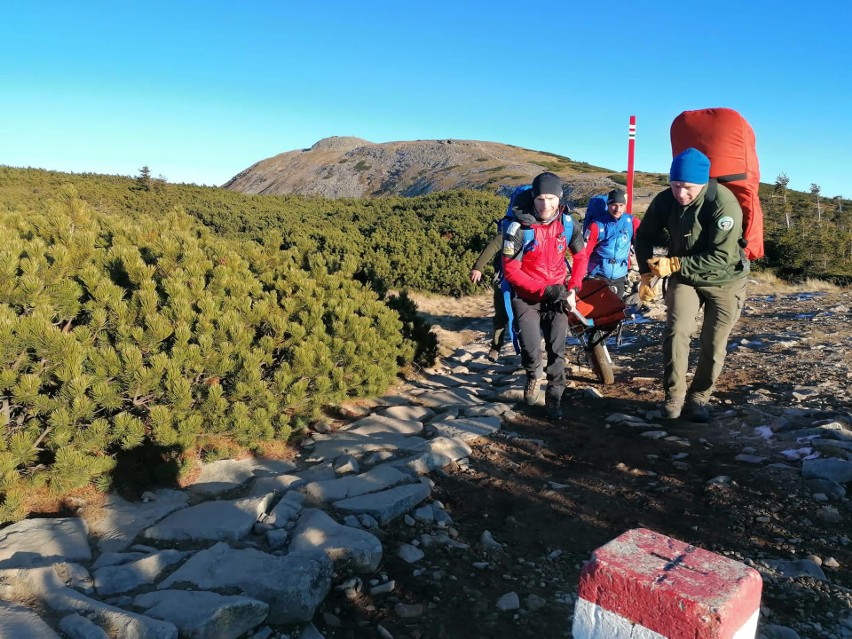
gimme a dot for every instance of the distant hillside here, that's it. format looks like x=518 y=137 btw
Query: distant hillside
x=351 y=167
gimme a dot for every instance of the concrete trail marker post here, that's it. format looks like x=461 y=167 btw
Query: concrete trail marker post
x=644 y=585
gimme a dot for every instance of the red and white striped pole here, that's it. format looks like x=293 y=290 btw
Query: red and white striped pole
x=631 y=143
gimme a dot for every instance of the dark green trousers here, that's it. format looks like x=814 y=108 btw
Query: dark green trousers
x=722 y=307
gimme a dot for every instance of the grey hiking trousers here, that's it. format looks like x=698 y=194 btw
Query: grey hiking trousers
x=722 y=307
x=532 y=320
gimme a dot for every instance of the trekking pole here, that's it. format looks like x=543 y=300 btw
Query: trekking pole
x=631 y=143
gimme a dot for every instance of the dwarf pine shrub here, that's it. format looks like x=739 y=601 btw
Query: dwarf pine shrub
x=116 y=330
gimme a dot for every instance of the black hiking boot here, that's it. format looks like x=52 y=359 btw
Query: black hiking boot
x=553 y=406
x=696 y=411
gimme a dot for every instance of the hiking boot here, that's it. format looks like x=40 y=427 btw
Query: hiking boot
x=673 y=407
x=493 y=354
x=696 y=411
x=553 y=406
x=531 y=391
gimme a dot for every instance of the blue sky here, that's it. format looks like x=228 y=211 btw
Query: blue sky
x=200 y=90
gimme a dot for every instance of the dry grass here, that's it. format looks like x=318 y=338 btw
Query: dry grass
x=41 y=501
x=764 y=283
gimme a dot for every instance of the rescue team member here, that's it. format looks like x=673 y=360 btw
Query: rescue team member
x=701 y=223
x=534 y=252
x=608 y=242
x=501 y=318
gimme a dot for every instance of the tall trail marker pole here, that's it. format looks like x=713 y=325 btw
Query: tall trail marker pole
x=631 y=143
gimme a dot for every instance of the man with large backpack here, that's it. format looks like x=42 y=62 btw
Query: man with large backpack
x=535 y=248
x=609 y=237
x=701 y=224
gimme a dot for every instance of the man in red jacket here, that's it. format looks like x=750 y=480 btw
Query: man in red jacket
x=534 y=263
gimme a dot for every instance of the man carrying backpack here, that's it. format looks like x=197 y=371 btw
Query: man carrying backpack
x=701 y=223
x=501 y=318
x=534 y=253
x=609 y=237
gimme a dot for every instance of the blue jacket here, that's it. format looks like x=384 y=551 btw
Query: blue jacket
x=609 y=252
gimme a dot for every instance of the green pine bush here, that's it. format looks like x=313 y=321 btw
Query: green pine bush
x=117 y=330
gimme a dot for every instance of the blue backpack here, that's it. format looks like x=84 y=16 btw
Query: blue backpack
x=595 y=211
x=611 y=257
x=529 y=244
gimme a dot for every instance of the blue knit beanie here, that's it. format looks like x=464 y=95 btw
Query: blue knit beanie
x=690 y=166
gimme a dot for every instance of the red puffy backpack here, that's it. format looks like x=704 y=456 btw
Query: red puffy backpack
x=724 y=136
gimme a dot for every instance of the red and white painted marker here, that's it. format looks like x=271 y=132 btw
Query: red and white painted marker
x=644 y=585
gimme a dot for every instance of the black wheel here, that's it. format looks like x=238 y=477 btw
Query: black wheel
x=601 y=366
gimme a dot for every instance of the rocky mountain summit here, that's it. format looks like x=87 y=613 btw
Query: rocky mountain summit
x=339 y=167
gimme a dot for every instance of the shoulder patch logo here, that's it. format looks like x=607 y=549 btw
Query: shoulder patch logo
x=725 y=223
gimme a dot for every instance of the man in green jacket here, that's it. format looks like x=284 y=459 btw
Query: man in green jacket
x=491 y=253
x=701 y=224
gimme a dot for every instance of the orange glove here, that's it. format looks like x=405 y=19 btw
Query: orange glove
x=646 y=289
x=664 y=266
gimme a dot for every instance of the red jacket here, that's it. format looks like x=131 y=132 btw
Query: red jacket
x=541 y=263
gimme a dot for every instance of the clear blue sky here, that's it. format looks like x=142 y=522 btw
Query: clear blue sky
x=200 y=90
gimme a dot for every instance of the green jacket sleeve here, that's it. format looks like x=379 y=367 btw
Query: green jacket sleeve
x=650 y=233
x=488 y=253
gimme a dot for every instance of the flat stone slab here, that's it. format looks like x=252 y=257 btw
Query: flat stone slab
x=79 y=627
x=19 y=622
x=836 y=470
x=204 y=615
x=468 y=429
x=434 y=454
x=41 y=542
x=122 y=521
x=220 y=476
x=440 y=399
x=293 y=585
x=349 y=443
x=387 y=505
x=407 y=412
x=211 y=520
x=344 y=545
x=375 y=424
x=374 y=480
x=111 y=580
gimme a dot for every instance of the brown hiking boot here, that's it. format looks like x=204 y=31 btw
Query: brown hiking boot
x=696 y=411
x=531 y=391
x=673 y=407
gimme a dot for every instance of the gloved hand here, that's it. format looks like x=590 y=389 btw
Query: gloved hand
x=646 y=290
x=664 y=266
x=555 y=293
x=571 y=302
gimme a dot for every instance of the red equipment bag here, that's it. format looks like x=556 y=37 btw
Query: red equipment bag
x=596 y=301
x=724 y=136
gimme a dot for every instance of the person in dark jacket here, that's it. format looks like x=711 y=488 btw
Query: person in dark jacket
x=608 y=242
x=701 y=224
x=491 y=253
x=537 y=271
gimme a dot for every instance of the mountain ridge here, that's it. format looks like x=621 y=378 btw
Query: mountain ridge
x=352 y=167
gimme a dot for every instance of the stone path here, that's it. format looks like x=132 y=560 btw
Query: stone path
x=272 y=531
x=250 y=548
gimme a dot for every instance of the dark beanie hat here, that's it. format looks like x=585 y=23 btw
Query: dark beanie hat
x=690 y=166
x=616 y=196
x=547 y=184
